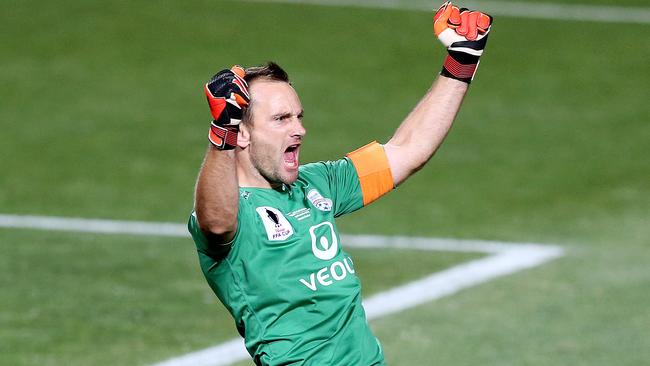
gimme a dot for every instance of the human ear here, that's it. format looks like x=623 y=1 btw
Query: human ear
x=244 y=136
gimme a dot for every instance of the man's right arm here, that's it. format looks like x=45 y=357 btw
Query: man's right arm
x=216 y=201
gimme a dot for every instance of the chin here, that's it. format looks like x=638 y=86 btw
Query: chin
x=290 y=177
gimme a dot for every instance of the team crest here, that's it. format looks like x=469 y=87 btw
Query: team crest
x=276 y=225
x=320 y=202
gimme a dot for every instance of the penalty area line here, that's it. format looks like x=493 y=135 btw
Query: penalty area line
x=511 y=259
x=503 y=259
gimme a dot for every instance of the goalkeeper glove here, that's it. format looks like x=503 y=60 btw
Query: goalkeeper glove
x=465 y=34
x=227 y=94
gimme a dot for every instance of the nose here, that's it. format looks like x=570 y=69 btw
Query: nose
x=299 y=130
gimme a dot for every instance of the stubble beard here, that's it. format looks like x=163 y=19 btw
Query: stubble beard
x=263 y=158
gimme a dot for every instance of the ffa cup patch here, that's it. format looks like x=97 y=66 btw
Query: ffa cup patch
x=276 y=225
x=320 y=202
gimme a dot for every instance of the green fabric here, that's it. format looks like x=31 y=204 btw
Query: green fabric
x=294 y=301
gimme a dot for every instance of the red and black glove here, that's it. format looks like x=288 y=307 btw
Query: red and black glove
x=228 y=97
x=464 y=33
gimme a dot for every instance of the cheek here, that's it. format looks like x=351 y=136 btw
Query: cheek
x=269 y=137
x=264 y=146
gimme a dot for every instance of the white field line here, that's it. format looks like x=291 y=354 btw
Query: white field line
x=504 y=259
x=584 y=12
x=511 y=259
x=50 y=223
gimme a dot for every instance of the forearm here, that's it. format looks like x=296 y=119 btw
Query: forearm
x=423 y=131
x=217 y=194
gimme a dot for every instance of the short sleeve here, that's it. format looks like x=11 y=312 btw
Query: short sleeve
x=203 y=245
x=336 y=180
x=355 y=181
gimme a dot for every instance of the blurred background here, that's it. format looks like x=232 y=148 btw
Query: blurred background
x=102 y=115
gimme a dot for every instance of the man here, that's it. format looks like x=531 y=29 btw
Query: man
x=264 y=225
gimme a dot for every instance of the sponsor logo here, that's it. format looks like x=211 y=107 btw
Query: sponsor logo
x=277 y=226
x=326 y=276
x=324 y=242
x=325 y=246
x=320 y=202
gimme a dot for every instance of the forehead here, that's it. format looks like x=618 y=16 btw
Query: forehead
x=270 y=96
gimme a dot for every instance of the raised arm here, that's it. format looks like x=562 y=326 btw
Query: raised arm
x=465 y=34
x=216 y=196
x=216 y=199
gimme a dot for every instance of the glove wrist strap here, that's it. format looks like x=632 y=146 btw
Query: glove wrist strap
x=460 y=67
x=223 y=138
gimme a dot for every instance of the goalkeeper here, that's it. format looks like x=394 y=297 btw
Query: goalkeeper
x=264 y=225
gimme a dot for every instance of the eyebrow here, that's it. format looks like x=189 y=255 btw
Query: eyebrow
x=281 y=115
x=287 y=114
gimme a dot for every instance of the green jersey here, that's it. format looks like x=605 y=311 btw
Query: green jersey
x=285 y=278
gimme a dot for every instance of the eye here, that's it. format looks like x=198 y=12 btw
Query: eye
x=282 y=117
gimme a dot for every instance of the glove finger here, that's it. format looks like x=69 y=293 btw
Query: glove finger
x=239 y=73
x=472 y=30
x=464 y=26
x=238 y=70
x=441 y=17
x=241 y=100
x=441 y=10
x=454 y=18
x=484 y=22
x=241 y=87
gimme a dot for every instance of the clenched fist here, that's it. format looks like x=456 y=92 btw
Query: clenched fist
x=227 y=94
x=464 y=33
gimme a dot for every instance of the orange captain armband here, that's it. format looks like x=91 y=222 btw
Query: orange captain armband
x=373 y=169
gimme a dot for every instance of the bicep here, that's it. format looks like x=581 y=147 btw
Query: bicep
x=398 y=161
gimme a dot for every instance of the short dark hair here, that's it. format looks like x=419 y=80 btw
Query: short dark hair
x=269 y=71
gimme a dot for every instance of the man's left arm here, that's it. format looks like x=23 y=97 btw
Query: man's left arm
x=464 y=33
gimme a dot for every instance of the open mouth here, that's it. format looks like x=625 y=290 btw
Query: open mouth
x=291 y=156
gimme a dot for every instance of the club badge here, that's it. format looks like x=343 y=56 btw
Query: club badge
x=320 y=202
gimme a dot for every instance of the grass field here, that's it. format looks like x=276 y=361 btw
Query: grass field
x=102 y=116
